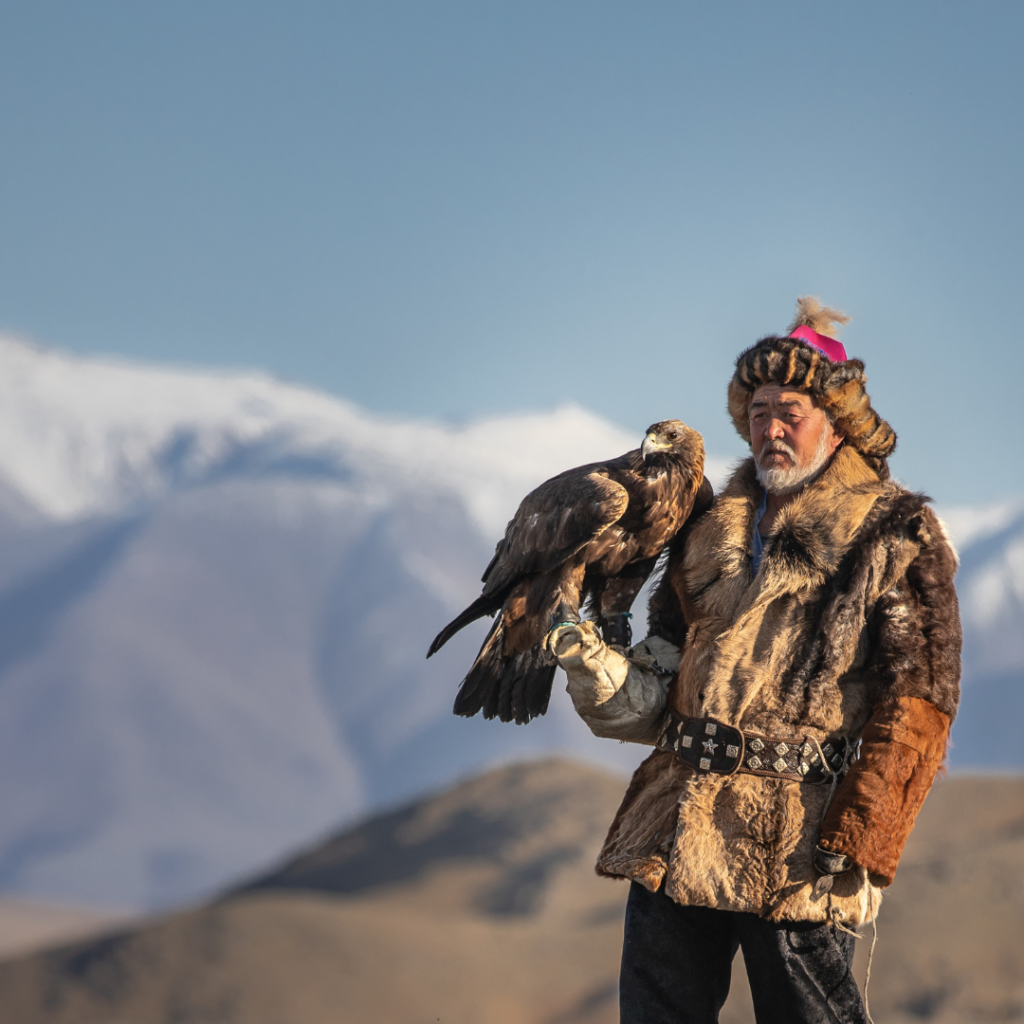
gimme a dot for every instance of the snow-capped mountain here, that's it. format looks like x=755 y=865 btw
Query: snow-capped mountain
x=89 y=437
x=990 y=585
x=216 y=592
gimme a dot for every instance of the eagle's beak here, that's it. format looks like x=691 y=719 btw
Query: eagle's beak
x=652 y=444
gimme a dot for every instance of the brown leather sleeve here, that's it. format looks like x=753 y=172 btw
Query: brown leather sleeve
x=877 y=803
x=917 y=658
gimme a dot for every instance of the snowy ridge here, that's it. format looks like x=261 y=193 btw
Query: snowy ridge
x=89 y=436
x=992 y=576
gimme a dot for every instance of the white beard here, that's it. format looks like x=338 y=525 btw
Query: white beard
x=787 y=479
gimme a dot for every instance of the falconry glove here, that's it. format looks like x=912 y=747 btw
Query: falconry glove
x=619 y=695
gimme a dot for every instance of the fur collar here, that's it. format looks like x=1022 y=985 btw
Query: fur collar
x=812 y=534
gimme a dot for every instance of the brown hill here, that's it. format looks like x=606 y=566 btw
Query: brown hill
x=28 y=925
x=480 y=906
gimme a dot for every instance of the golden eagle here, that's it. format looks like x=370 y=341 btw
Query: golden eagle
x=594 y=534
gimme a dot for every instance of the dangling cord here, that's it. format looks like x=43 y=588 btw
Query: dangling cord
x=834 y=774
x=871 y=953
x=824 y=884
x=827 y=880
x=837 y=923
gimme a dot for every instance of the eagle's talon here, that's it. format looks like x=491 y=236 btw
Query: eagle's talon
x=616 y=630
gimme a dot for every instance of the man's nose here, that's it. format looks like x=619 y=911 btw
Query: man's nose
x=775 y=429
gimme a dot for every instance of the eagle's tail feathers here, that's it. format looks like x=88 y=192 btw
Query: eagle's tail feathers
x=530 y=677
x=511 y=688
x=538 y=689
x=478 y=690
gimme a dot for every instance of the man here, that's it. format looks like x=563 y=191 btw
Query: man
x=810 y=609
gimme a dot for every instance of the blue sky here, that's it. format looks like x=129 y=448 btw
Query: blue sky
x=451 y=209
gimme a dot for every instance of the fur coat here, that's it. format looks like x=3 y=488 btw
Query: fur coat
x=850 y=628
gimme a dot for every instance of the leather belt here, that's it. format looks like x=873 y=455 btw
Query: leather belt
x=708 y=745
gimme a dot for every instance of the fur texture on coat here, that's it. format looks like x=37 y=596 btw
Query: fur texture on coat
x=851 y=618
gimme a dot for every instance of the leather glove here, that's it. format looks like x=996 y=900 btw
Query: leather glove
x=617 y=696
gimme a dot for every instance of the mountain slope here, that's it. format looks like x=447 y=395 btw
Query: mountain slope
x=477 y=905
x=480 y=903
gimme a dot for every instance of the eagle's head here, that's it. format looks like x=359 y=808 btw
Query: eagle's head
x=672 y=440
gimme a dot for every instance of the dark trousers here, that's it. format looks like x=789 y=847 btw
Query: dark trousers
x=677 y=963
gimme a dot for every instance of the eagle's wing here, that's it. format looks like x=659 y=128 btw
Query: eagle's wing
x=554 y=522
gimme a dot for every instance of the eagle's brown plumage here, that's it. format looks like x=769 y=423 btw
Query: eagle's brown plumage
x=593 y=534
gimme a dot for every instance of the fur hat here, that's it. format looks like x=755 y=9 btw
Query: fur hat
x=837 y=385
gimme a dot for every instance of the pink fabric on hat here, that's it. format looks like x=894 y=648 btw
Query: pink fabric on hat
x=828 y=346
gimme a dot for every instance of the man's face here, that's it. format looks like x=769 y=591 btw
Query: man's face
x=790 y=436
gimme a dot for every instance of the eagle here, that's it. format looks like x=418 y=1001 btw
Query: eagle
x=591 y=534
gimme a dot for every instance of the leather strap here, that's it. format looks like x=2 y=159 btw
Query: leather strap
x=710 y=746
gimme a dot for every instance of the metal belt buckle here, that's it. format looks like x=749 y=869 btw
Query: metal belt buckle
x=837 y=760
x=709 y=746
